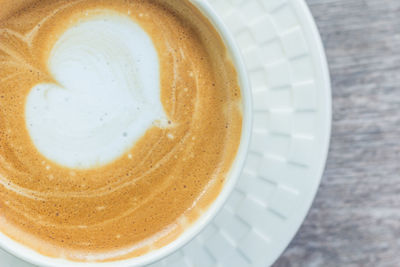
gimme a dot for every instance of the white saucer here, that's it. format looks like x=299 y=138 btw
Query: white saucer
x=292 y=100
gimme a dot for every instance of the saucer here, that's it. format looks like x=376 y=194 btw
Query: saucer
x=292 y=116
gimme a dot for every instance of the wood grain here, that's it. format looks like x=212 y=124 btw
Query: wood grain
x=355 y=219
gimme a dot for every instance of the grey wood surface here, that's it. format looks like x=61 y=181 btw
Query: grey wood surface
x=355 y=219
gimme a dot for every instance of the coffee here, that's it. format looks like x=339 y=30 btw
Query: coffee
x=119 y=123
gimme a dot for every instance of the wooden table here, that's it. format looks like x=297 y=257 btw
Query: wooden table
x=355 y=219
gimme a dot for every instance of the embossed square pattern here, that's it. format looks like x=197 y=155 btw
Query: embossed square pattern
x=292 y=114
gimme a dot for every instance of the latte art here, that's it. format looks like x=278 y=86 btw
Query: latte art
x=107 y=93
x=119 y=123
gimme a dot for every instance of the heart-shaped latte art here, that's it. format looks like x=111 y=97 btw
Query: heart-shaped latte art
x=107 y=93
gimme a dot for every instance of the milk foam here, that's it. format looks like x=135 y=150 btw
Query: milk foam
x=107 y=93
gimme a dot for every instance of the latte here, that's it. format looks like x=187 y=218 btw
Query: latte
x=119 y=123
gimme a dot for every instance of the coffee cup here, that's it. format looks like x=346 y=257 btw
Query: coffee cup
x=200 y=223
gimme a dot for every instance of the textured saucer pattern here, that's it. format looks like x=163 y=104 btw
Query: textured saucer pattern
x=292 y=102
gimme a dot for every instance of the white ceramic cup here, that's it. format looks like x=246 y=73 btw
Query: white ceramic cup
x=34 y=257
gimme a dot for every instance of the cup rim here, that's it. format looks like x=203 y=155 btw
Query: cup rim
x=29 y=255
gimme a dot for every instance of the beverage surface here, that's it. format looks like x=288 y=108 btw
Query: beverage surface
x=119 y=123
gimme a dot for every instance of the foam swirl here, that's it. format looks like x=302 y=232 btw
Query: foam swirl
x=107 y=93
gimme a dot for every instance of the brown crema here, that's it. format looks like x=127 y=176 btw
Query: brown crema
x=146 y=198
